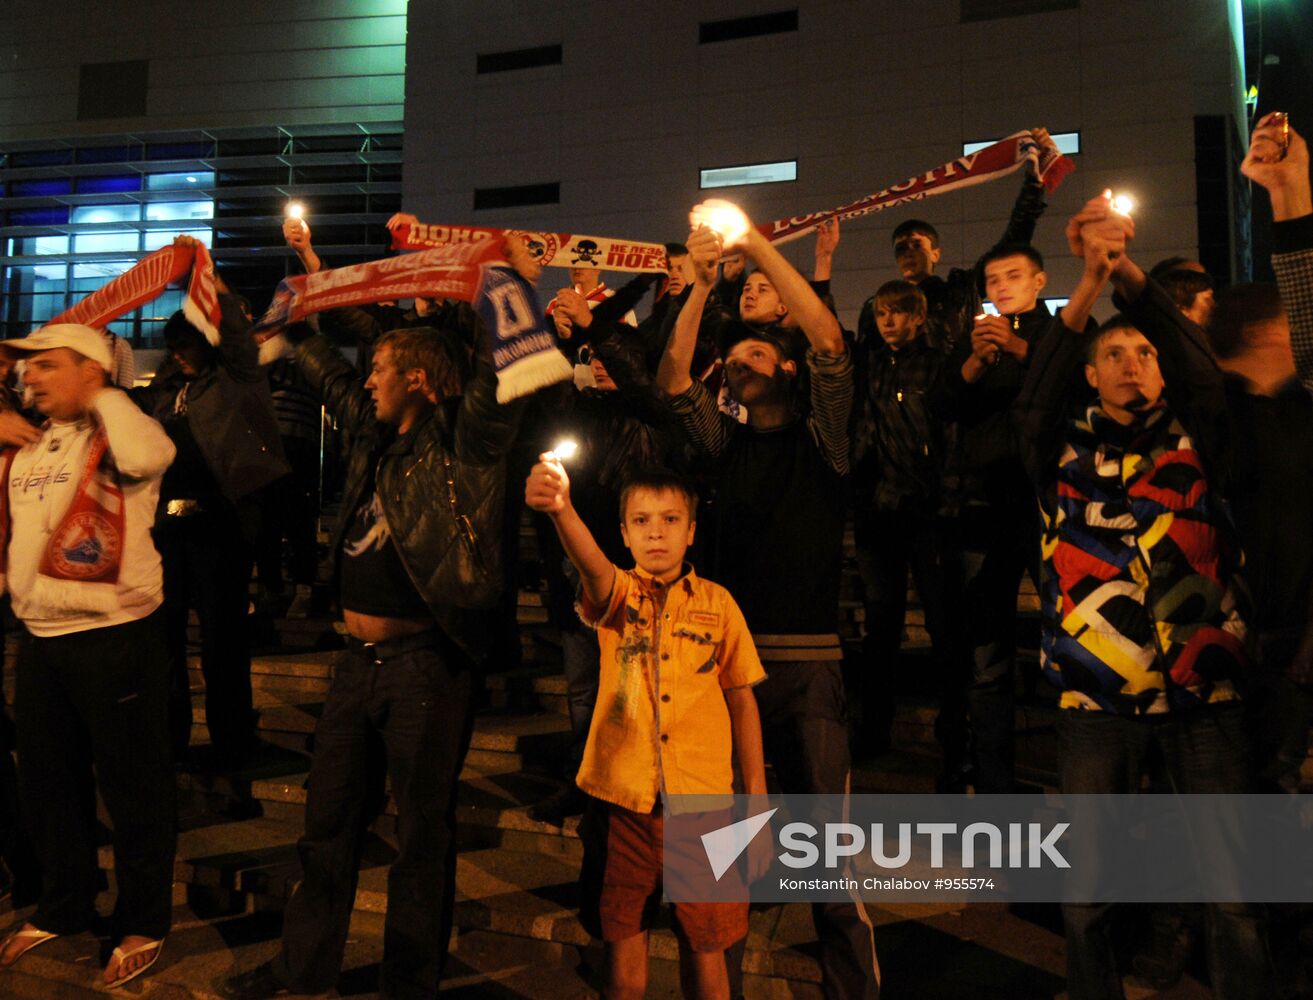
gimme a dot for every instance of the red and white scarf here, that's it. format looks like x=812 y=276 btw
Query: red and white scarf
x=523 y=350
x=564 y=249
x=549 y=249
x=147 y=280
x=79 y=569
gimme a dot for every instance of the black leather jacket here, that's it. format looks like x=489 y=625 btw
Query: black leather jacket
x=475 y=432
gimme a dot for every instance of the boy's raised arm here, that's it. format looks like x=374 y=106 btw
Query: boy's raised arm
x=673 y=373
x=548 y=490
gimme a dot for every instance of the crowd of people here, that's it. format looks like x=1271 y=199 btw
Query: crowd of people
x=1144 y=470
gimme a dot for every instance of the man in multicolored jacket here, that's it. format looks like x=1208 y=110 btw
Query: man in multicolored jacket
x=1143 y=627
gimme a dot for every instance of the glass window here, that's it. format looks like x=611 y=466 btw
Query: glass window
x=35 y=294
x=102 y=185
x=106 y=213
x=30 y=246
x=162 y=211
x=752 y=173
x=41 y=158
x=156 y=238
x=40 y=188
x=174 y=182
x=38 y=216
x=106 y=242
x=1067 y=142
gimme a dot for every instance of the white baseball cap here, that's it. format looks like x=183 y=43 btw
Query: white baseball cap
x=88 y=342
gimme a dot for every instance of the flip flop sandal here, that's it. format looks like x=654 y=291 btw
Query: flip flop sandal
x=122 y=956
x=32 y=935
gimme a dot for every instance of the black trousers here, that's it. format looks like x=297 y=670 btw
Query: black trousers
x=889 y=544
x=1000 y=542
x=207 y=566
x=403 y=710
x=98 y=699
x=805 y=737
x=290 y=509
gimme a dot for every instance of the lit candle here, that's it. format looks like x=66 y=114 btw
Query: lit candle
x=563 y=450
x=724 y=217
x=1123 y=204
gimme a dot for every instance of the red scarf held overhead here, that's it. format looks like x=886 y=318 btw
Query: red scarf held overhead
x=561 y=249
x=452 y=272
x=87 y=546
x=147 y=280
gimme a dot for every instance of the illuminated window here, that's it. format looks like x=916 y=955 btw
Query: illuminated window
x=173 y=182
x=106 y=213
x=1067 y=142
x=751 y=173
x=106 y=242
x=167 y=211
x=36 y=246
x=153 y=239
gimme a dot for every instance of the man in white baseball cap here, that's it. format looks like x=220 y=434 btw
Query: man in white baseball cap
x=76 y=510
x=83 y=340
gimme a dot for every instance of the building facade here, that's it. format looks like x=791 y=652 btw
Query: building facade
x=600 y=118
x=123 y=126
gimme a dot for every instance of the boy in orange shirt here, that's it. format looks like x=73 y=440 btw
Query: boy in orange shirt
x=677 y=669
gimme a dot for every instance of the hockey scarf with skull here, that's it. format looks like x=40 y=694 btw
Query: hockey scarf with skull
x=549 y=249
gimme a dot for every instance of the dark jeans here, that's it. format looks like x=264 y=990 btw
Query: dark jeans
x=581 y=660
x=207 y=566
x=999 y=543
x=402 y=710
x=291 y=511
x=1204 y=752
x=805 y=735
x=888 y=545
x=98 y=699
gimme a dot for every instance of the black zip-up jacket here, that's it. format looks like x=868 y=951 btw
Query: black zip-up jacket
x=988 y=459
x=230 y=411
x=475 y=432
x=900 y=439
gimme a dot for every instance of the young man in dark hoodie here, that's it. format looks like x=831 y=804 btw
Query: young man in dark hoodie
x=997 y=526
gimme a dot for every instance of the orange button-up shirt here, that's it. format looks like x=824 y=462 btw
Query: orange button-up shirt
x=661 y=725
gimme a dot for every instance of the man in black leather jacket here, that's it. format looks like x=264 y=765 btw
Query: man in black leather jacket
x=425 y=485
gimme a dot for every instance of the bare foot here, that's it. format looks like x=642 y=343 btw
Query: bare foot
x=16 y=944
x=117 y=970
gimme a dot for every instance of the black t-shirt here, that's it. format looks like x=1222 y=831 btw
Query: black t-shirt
x=374 y=580
x=779 y=520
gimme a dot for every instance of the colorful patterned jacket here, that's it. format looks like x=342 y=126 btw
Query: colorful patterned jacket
x=1142 y=611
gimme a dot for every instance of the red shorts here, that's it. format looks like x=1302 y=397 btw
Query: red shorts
x=630 y=849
